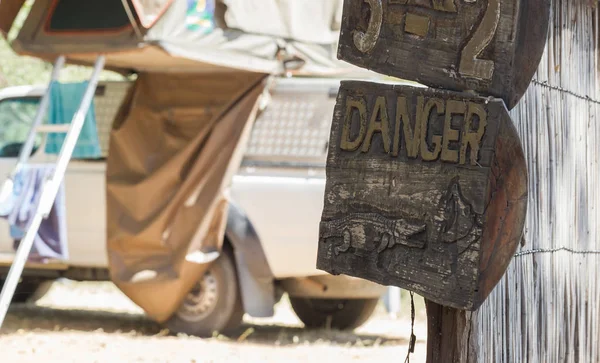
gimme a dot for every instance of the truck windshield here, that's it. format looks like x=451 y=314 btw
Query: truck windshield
x=16 y=117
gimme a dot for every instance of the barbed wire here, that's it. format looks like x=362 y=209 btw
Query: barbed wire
x=545 y=84
x=552 y=250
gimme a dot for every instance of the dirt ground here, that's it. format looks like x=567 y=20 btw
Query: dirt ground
x=95 y=322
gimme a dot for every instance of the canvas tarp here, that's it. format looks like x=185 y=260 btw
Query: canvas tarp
x=174 y=148
x=251 y=35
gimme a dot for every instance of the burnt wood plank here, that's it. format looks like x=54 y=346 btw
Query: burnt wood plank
x=426 y=190
x=492 y=47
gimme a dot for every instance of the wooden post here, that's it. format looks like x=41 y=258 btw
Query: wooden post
x=450 y=335
x=427 y=188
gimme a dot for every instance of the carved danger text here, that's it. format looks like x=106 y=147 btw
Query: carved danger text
x=428 y=129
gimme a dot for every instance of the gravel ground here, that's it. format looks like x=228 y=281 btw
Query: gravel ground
x=95 y=322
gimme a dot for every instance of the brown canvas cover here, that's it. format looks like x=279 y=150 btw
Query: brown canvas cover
x=174 y=147
x=58 y=27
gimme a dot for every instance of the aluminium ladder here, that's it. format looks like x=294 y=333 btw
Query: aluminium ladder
x=52 y=184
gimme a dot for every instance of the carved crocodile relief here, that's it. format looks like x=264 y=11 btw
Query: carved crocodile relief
x=388 y=232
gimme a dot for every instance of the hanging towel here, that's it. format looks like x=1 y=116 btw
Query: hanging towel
x=51 y=239
x=64 y=102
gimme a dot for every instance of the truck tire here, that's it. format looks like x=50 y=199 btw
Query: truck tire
x=30 y=290
x=214 y=304
x=341 y=314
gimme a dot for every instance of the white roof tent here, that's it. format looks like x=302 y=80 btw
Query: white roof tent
x=169 y=35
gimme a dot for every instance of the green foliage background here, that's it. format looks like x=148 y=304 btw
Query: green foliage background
x=18 y=70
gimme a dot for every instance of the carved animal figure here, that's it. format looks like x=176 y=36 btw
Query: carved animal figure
x=459 y=221
x=390 y=232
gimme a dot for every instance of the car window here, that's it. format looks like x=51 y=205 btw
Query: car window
x=16 y=117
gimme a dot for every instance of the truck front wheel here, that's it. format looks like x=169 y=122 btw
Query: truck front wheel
x=213 y=304
x=341 y=314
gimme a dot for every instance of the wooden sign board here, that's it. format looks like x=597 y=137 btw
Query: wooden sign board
x=492 y=47
x=426 y=190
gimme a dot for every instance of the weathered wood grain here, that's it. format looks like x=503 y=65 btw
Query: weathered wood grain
x=426 y=190
x=489 y=46
x=450 y=335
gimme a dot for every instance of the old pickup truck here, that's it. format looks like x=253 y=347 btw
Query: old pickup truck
x=272 y=230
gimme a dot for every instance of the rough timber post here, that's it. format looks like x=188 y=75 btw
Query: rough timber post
x=451 y=336
x=427 y=188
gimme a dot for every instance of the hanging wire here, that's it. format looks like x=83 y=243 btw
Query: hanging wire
x=413 y=337
x=553 y=250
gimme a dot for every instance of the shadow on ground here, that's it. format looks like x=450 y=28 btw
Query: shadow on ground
x=34 y=318
x=40 y=318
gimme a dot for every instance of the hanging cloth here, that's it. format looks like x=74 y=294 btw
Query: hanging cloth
x=65 y=99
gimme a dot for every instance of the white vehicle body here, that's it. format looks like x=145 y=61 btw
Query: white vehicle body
x=279 y=187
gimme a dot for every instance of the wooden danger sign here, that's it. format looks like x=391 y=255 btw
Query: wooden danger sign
x=489 y=46
x=426 y=190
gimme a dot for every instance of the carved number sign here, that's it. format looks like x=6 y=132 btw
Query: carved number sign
x=426 y=190
x=489 y=46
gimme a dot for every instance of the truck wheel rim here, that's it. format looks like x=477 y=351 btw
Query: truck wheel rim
x=201 y=300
